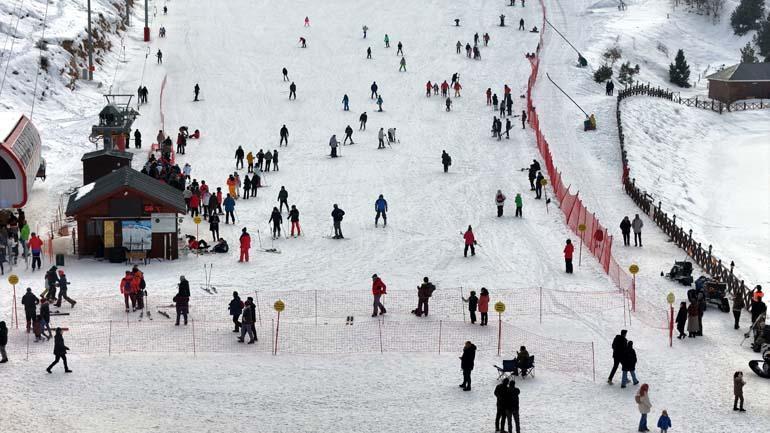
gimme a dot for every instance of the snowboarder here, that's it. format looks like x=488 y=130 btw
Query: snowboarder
x=292 y=91
x=381 y=139
x=137 y=139
x=303 y=42
x=283 y=197
x=637 y=225
x=466 y=364
x=362 y=119
x=277 y=219
x=381 y=208
x=373 y=88
x=236 y=307
x=348 y=135
x=182 y=300
x=568 y=250
x=539 y=186
x=284 y=139
x=446 y=160
x=365 y=29
x=379 y=103
x=59 y=351
x=402 y=67
x=337 y=215
x=345 y=101
x=387 y=41
x=333 y=144
x=470 y=242
x=619 y=344
x=294 y=218
x=448 y=104
x=628 y=365
x=239 y=157
x=400 y=50
x=229 y=204
x=245 y=241
x=499 y=201
x=519 y=205
x=625 y=229
x=521 y=24
x=424 y=292
x=285 y=74
x=197 y=91
x=159 y=55
x=378 y=289
x=63 y=286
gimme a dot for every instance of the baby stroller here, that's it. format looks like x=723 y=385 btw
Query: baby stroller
x=714 y=291
x=681 y=272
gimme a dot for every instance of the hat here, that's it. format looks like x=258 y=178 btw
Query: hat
x=61 y=272
x=374 y=275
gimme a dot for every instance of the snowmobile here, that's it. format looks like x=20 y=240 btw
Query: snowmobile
x=715 y=292
x=681 y=272
x=762 y=370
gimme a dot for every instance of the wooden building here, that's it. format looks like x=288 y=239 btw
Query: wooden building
x=103 y=162
x=126 y=213
x=741 y=81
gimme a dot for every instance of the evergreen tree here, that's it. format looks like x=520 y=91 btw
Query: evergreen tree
x=748 y=55
x=604 y=73
x=747 y=15
x=627 y=72
x=762 y=39
x=679 y=71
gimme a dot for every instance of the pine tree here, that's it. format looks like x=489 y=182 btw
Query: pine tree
x=679 y=71
x=747 y=15
x=748 y=55
x=762 y=39
x=627 y=72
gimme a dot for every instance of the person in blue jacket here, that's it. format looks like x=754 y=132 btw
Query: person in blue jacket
x=664 y=422
x=229 y=203
x=381 y=207
x=345 y=101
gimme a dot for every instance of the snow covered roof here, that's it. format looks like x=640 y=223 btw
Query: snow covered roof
x=8 y=121
x=109 y=152
x=125 y=177
x=743 y=72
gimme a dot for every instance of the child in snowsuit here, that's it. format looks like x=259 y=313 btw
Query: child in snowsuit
x=664 y=422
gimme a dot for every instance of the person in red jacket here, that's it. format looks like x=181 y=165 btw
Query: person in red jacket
x=245 y=245
x=506 y=91
x=489 y=96
x=125 y=290
x=457 y=89
x=36 y=245
x=195 y=203
x=470 y=242
x=568 y=250
x=428 y=86
x=378 y=289
x=444 y=88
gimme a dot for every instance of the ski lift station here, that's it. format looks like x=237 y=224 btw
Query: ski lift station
x=20 y=160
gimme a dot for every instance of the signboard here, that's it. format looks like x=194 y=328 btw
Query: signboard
x=634 y=269
x=137 y=235
x=109 y=234
x=279 y=306
x=13 y=279
x=163 y=222
x=500 y=307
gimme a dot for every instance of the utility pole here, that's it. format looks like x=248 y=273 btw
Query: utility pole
x=146 y=22
x=90 y=46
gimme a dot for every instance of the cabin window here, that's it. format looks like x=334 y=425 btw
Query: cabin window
x=6 y=172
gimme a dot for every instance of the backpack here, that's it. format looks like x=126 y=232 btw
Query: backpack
x=431 y=289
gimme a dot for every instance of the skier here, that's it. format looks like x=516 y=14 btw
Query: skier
x=446 y=160
x=337 y=215
x=30 y=301
x=476 y=53
x=373 y=87
x=378 y=289
x=448 y=104
x=285 y=74
x=509 y=104
x=60 y=351
x=625 y=229
x=63 y=286
x=619 y=344
x=294 y=218
x=268 y=160
x=229 y=203
x=239 y=157
x=468 y=51
x=379 y=103
x=521 y=24
x=348 y=135
x=307 y=22
x=249 y=162
x=519 y=205
x=137 y=139
x=435 y=88
x=444 y=88
x=214 y=220
x=165 y=10
x=159 y=55
x=292 y=91
x=494 y=102
x=466 y=364
x=368 y=52
x=459 y=46
x=457 y=88
x=470 y=242
x=362 y=119
x=284 y=139
x=333 y=144
x=508 y=128
x=523 y=119
x=637 y=225
x=245 y=241
x=182 y=300
x=539 y=185
x=196 y=90
x=283 y=197
x=303 y=42
x=568 y=250
x=277 y=219
x=236 y=307
x=365 y=29
x=400 y=50
x=387 y=41
x=424 y=292
x=499 y=201
x=261 y=158
x=345 y=101
x=381 y=139
x=402 y=64
x=381 y=207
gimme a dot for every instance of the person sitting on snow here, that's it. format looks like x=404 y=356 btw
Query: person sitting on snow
x=221 y=246
x=197 y=245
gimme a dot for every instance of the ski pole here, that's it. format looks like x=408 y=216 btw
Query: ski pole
x=259 y=236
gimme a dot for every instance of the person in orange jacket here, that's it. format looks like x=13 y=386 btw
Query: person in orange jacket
x=470 y=242
x=568 y=250
x=137 y=287
x=126 y=291
x=231 y=182
x=378 y=289
x=245 y=245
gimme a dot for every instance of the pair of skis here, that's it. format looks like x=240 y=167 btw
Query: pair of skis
x=272 y=249
x=207 y=271
x=146 y=307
